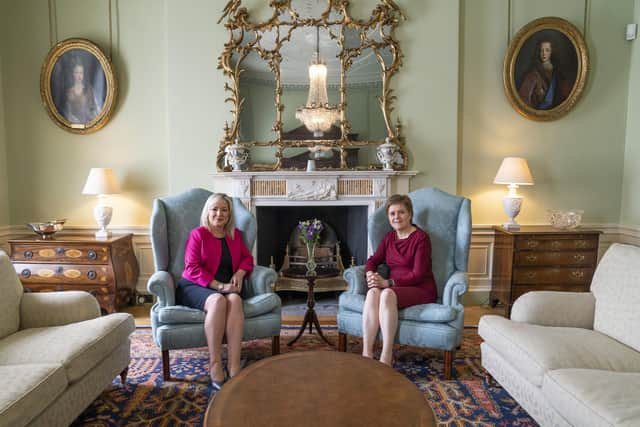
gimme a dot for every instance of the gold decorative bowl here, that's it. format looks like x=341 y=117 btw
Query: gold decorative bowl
x=47 y=229
x=565 y=219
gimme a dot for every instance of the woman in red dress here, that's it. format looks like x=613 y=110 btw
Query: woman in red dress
x=407 y=251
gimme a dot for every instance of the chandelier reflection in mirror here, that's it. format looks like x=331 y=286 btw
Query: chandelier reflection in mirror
x=318 y=115
x=262 y=57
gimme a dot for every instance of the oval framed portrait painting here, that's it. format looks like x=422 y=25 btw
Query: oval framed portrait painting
x=78 y=86
x=545 y=69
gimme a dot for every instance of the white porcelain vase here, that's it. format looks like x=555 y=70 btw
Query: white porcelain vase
x=386 y=154
x=236 y=156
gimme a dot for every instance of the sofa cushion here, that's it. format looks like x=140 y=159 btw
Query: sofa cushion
x=534 y=349
x=616 y=287
x=590 y=397
x=78 y=347
x=27 y=390
x=11 y=291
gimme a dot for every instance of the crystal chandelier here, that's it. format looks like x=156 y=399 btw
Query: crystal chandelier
x=317 y=115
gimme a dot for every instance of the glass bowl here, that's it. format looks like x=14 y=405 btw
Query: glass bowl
x=564 y=219
x=47 y=229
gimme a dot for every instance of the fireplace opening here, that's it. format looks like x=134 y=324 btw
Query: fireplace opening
x=276 y=223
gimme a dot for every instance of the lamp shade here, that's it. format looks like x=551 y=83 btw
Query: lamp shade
x=514 y=170
x=101 y=181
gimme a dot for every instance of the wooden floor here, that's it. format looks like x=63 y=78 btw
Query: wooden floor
x=472 y=314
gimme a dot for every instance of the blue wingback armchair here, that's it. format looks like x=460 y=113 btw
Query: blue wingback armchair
x=447 y=219
x=175 y=326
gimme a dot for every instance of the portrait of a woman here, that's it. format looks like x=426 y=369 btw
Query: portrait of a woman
x=80 y=105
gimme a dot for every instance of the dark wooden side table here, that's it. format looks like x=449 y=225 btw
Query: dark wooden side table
x=319 y=389
x=310 y=316
x=106 y=268
x=541 y=259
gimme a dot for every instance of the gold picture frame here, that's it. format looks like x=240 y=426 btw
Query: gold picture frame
x=545 y=69
x=78 y=86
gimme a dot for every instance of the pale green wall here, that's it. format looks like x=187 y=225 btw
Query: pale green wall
x=4 y=178
x=576 y=161
x=47 y=165
x=458 y=125
x=630 y=212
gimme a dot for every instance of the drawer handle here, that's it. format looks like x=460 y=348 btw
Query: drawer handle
x=532 y=258
x=577 y=274
x=94 y=294
x=578 y=257
x=531 y=274
x=581 y=243
x=532 y=243
x=59 y=269
x=59 y=251
x=28 y=254
x=92 y=274
x=26 y=273
x=92 y=254
x=555 y=244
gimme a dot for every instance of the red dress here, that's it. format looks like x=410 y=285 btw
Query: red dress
x=409 y=262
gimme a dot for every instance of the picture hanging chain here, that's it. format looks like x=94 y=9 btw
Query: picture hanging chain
x=53 y=26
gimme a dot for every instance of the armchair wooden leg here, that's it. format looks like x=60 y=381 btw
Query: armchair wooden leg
x=166 y=374
x=123 y=374
x=342 y=341
x=448 y=364
x=275 y=345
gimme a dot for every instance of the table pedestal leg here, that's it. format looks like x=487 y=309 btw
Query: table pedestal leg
x=310 y=316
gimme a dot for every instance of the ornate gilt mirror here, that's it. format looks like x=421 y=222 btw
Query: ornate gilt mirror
x=311 y=82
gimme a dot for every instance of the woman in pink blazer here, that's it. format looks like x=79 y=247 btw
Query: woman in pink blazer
x=216 y=261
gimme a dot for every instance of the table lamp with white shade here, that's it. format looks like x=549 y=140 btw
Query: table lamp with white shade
x=102 y=182
x=514 y=171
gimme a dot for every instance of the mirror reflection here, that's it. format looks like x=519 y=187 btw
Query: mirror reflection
x=290 y=75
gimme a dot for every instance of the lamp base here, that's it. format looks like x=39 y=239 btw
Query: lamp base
x=103 y=234
x=511 y=205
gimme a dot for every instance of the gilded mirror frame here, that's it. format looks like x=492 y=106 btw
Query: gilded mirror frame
x=383 y=22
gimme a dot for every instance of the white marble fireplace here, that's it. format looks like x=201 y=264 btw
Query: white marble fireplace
x=319 y=188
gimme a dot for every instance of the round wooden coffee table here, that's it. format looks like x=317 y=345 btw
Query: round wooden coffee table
x=319 y=388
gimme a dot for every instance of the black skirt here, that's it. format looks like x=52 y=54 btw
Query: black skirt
x=192 y=295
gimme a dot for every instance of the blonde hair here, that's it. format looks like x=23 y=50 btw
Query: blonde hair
x=204 y=216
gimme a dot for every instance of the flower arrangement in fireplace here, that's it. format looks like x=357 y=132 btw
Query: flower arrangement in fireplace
x=310 y=230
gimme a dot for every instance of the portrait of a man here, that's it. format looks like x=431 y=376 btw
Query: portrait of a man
x=546 y=69
x=78 y=86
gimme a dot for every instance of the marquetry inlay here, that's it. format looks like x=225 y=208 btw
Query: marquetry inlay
x=269 y=187
x=355 y=187
x=72 y=274
x=47 y=253
x=73 y=253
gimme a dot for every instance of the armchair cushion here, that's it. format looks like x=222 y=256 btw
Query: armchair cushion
x=434 y=313
x=252 y=307
x=11 y=291
x=534 y=350
x=27 y=390
x=594 y=397
x=78 y=346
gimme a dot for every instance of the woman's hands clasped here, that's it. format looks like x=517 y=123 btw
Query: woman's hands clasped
x=375 y=280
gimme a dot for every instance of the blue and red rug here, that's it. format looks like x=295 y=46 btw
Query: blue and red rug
x=145 y=400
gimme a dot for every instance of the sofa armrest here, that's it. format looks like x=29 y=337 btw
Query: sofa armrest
x=550 y=308
x=161 y=285
x=455 y=287
x=45 y=309
x=261 y=280
x=356 y=281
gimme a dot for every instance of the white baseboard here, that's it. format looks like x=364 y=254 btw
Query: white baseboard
x=480 y=253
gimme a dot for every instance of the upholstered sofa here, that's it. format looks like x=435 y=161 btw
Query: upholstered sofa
x=56 y=353
x=573 y=359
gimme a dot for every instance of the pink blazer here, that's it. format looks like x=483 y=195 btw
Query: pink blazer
x=203 y=252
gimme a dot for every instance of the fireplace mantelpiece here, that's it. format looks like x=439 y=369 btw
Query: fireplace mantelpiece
x=319 y=188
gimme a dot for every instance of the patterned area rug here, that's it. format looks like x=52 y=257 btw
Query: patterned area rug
x=145 y=400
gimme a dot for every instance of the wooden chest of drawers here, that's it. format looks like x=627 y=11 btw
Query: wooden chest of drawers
x=107 y=268
x=541 y=258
